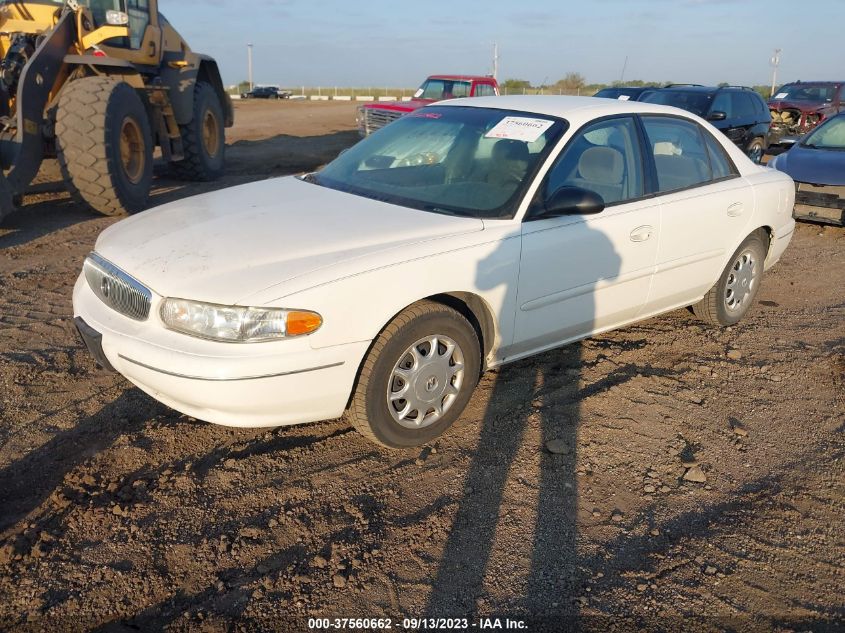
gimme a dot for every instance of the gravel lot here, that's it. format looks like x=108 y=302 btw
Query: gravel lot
x=698 y=478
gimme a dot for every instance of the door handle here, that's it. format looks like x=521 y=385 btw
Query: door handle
x=641 y=233
x=736 y=209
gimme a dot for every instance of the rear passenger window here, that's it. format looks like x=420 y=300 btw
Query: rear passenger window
x=720 y=163
x=743 y=106
x=680 y=155
x=603 y=157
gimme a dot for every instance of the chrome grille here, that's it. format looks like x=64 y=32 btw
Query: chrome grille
x=116 y=289
x=375 y=119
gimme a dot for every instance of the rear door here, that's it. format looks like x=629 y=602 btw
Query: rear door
x=704 y=208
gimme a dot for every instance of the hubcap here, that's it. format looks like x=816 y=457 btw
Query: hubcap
x=132 y=155
x=425 y=382
x=756 y=154
x=741 y=281
x=210 y=133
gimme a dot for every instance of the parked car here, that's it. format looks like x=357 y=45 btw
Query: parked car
x=740 y=113
x=624 y=93
x=463 y=236
x=374 y=116
x=266 y=92
x=798 y=107
x=817 y=165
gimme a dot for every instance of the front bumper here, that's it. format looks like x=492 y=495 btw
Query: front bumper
x=818 y=203
x=246 y=385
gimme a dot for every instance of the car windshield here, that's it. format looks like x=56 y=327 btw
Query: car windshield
x=616 y=93
x=830 y=135
x=440 y=89
x=467 y=161
x=689 y=100
x=806 y=92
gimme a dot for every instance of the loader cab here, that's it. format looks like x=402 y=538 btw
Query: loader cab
x=143 y=46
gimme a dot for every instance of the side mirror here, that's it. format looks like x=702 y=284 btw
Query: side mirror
x=718 y=115
x=571 y=201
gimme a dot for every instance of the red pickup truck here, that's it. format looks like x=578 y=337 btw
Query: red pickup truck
x=372 y=116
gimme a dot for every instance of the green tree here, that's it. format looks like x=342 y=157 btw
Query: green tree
x=571 y=82
x=514 y=86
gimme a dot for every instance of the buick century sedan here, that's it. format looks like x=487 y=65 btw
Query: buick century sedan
x=465 y=235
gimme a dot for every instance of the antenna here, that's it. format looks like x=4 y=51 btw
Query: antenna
x=775 y=62
x=624 y=68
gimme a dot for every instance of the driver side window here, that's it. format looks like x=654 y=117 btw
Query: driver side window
x=605 y=158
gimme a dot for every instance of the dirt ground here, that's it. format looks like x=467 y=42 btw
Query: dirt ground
x=118 y=514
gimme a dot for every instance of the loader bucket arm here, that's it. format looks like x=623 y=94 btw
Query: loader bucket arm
x=22 y=154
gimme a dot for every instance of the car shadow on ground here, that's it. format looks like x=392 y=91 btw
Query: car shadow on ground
x=27 y=482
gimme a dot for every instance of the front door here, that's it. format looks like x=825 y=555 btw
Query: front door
x=580 y=274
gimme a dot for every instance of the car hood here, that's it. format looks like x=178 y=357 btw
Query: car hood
x=399 y=106
x=227 y=245
x=814 y=166
x=804 y=106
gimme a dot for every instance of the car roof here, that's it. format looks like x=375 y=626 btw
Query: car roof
x=460 y=77
x=580 y=108
x=814 y=83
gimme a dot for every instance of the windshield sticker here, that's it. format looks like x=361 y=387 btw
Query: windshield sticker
x=781 y=95
x=418 y=93
x=624 y=97
x=517 y=128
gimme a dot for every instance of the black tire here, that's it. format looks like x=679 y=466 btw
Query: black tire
x=755 y=150
x=369 y=409
x=203 y=162
x=715 y=307
x=94 y=114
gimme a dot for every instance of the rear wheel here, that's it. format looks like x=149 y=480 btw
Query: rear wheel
x=203 y=139
x=417 y=378
x=104 y=145
x=756 y=150
x=733 y=295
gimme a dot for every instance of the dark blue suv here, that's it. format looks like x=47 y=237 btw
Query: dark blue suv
x=739 y=112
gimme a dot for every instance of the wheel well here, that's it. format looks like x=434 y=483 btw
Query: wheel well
x=769 y=234
x=477 y=312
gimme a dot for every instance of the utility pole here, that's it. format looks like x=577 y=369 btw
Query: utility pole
x=496 y=61
x=249 y=65
x=624 y=68
x=775 y=62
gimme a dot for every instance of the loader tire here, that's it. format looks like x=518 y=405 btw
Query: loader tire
x=104 y=145
x=203 y=139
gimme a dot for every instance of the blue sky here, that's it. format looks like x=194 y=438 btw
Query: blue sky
x=390 y=43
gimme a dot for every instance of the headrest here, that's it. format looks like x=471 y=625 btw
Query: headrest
x=511 y=149
x=601 y=164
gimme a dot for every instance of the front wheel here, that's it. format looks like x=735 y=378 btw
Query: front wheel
x=104 y=145
x=417 y=378
x=733 y=295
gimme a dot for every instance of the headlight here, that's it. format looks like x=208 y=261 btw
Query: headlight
x=236 y=324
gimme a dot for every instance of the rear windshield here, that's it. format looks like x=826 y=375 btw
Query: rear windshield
x=440 y=89
x=806 y=92
x=689 y=100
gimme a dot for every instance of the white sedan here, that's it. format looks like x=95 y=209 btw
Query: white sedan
x=463 y=236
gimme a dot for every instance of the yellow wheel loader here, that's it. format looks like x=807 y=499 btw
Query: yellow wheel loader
x=99 y=84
